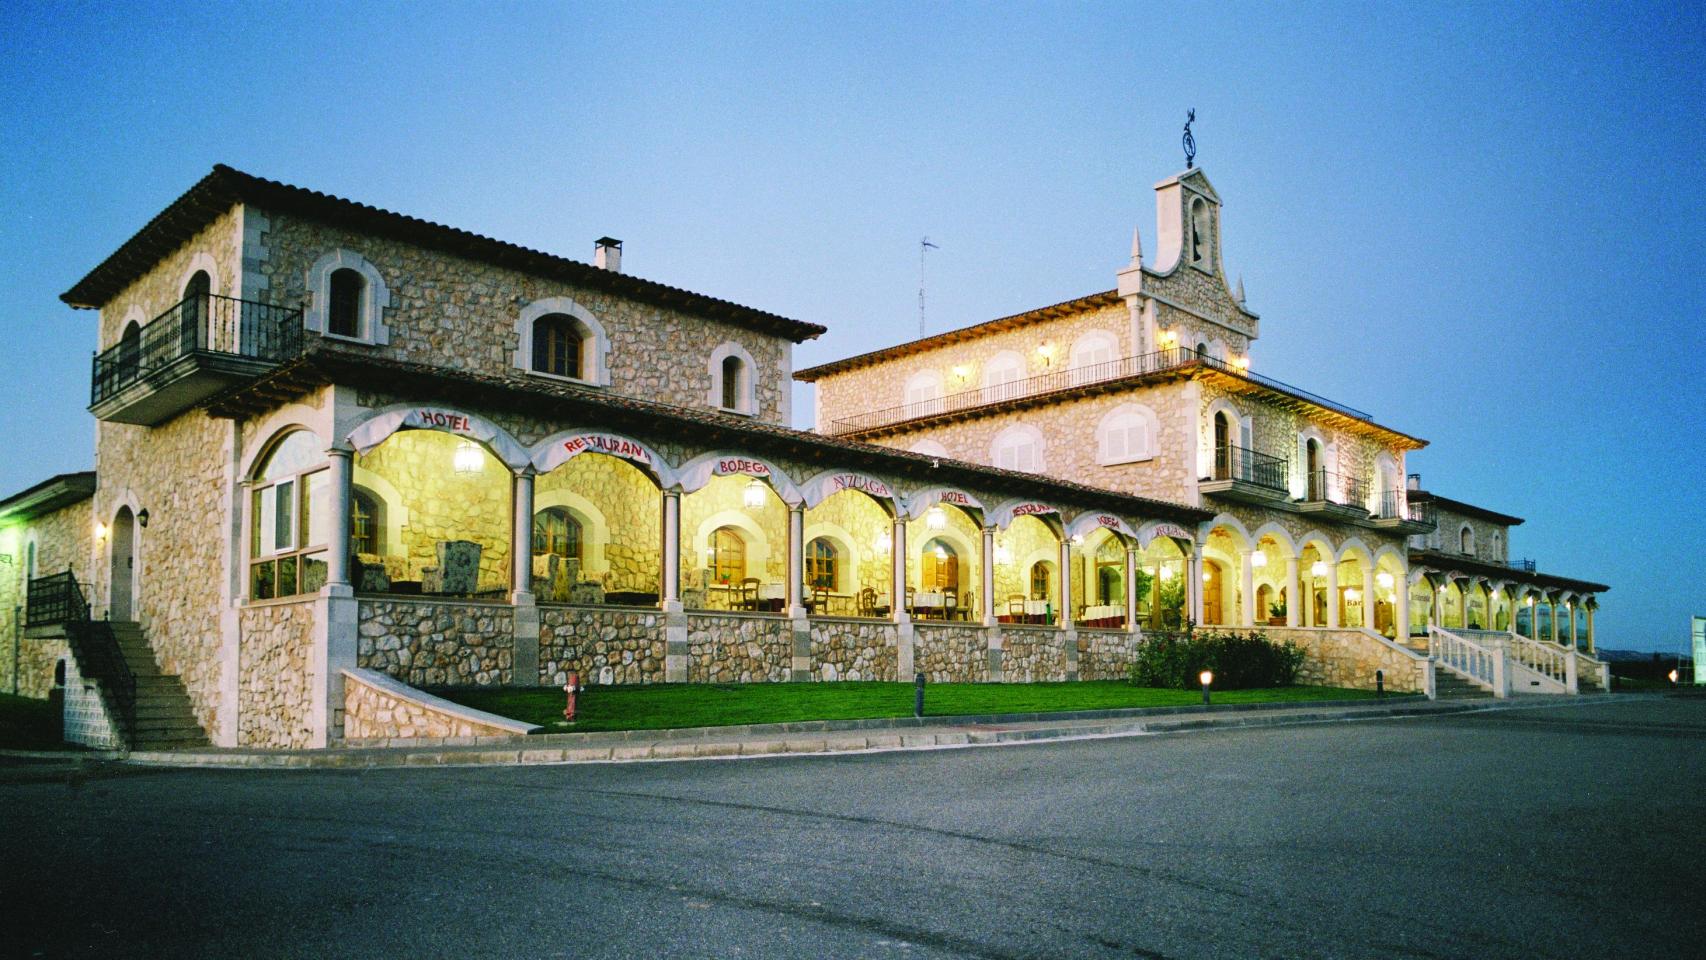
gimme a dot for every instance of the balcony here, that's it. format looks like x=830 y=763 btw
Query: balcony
x=971 y=400
x=1404 y=517
x=1335 y=494
x=197 y=348
x=1248 y=476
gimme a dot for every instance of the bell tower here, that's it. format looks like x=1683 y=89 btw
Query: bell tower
x=1187 y=224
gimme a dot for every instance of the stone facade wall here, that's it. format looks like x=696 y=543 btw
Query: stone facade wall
x=62 y=540
x=1070 y=448
x=274 y=685
x=951 y=654
x=1106 y=654
x=854 y=649
x=442 y=503
x=730 y=648
x=1491 y=540
x=1348 y=658
x=961 y=365
x=437 y=642
x=1032 y=655
x=376 y=710
x=162 y=287
x=448 y=310
x=627 y=642
x=179 y=472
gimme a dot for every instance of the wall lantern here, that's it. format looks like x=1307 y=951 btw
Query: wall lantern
x=1166 y=573
x=1384 y=579
x=1318 y=569
x=961 y=373
x=882 y=542
x=1531 y=601
x=1078 y=539
x=142 y=518
x=1258 y=559
x=936 y=518
x=1045 y=352
x=468 y=459
x=1353 y=595
x=100 y=530
x=753 y=495
x=1169 y=338
x=1002 y=554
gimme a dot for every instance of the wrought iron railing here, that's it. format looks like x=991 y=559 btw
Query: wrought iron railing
x=1393 y=506
x=1160 y=360
x=1329 y=487
x=1468 y=659
x=58 y=599
x=1526 y=566
x=200 y=324
x=1232 y=462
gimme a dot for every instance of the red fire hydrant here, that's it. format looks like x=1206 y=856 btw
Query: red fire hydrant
x=571 y=688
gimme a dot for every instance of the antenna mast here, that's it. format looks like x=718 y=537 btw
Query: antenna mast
x=923 y=246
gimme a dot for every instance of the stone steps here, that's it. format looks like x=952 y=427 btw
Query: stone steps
x=162 y=716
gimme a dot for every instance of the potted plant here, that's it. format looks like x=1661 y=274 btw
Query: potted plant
x=1276 y=614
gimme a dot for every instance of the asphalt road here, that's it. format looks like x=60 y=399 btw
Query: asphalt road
x=1564 y=832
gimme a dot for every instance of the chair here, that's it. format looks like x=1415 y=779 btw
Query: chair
x=820 y=600
x=911 y=606
x=951 y=603
x=867 y=602
x=458 y=570
x=1016 y=607
x=748 y=594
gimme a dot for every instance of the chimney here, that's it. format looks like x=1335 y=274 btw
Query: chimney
x=1413 y=481
x=607 y=254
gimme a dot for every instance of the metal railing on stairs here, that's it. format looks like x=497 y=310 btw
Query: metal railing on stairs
x=1472 y=661
x=57 y=599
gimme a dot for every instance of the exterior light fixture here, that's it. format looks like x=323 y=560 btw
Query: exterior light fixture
x=1384 y=579
x=1207 y=677
x=753 y=495
x=1673 y=678
x=100 y=530
x=1045 y=352
x=1206 y=575
x=962 y=372
x=936 y=518
x=882 y=542
x=1442 y=588
x=1531 y=601
x=142 y=518
x=1078 y=539
x=1002 y=554
x=1318 y=569
x=1353 y=595
x=1258 y=559
x=467 y=459
x=1166 y=573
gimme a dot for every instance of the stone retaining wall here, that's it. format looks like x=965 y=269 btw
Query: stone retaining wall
x=437 y=642
x=854 y=649
x=376 y=707
x=626 y=641
x=1033 y=654
x=951 y=654
x=274 y=683
x=1106 y=654
x=1349 y=657
x=729 y=648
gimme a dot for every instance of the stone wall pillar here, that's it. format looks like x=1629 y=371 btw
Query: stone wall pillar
x=1533 y=620
x=1368 y=596
x=1193 y=584
x=1131 y=589
x=1247 y=586
x=796 y=560
x=521 y=540
x=989 y=576
x=1401 y=607
x=1155 y=596
x=1333 y=594
x=1433 y=602
x=1293 y=593
x=1552 y=619
x=1590 y=629
x=337 y=552
x=1064 y=620
x=670 y=589
x=904 y=662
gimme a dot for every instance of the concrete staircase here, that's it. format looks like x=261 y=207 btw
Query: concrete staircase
x=164 y=719
x=1448 y=685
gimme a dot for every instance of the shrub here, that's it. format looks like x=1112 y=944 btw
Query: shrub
x=1239 y=661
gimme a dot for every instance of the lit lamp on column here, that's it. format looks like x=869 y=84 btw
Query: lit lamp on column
x=753 y=496
x=1207 y=677
x=936 y=518
x=882 y=542
x=467 y=458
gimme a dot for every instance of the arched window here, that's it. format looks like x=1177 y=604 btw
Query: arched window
x=728 y=555
x=1018 y=447
x=129 y=353
x=1496 y=547
x=930 y=448
x=1466 y=540
x=287 y=536
x=823 y=566
x=1199 y=231
x=559 y=346
x=1091 y=350
x=734 y=375
x=343 y=303
x=1042 y=579
x=556 y=531
x=941 y=565
x=194 y=313
x=1001 y=373
x=924 y=392
x=366 y=522
x=1126 y=434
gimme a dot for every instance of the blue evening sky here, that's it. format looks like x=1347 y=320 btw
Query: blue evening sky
x=1482 y=223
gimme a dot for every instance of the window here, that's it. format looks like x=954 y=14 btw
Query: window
x=1126 y=434
x=366 y=523
x=556 y=531
x=343 y=304
x=941 y=566
x=924 y=392
x=287 y=536
x=196 y=309
x=1042 y=575
x=930 y=448
x=558 y=346
x=1018 y=448
x=1466 y=540
x=1089 y=353
x=1199 y=231
x=822 y=564
x=1202 y=349
x=1001 y=373
x=129 y=352
x=728 y=555
x=732 y=376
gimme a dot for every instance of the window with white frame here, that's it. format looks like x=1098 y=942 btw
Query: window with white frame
x=930 y=448
x=731 y=370
x=287 y=535
x=1002 y=371
x=1092 y=349
x=1018 y=447
x=557 y=337
x=924 y=392
x=1126 y=434
x=348 y=299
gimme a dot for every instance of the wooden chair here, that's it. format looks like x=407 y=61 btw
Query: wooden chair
x=1016 y=607
x=748 y=594
x=820 y=601
x=951 y=603
x=867 y=602
x=910 y=605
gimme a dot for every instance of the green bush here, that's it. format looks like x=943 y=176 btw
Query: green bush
x=1239 y=661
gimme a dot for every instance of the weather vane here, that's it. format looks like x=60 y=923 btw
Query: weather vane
x=1190 y=141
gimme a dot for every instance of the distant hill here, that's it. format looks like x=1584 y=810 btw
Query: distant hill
x=1633 y=656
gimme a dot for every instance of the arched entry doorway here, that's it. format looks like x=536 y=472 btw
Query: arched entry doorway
x=121 y=581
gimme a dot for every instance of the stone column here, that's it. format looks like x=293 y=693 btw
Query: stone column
x=1193 y=584
x=1552 y=619
x=1064 y=619
x=1332 y=594
x=1572 y=609
x=521 y=539
x=988 y=576
x=1590 y=629
x=1368 y=596
x=1533 y=621
x=1131 y=589
x=1401 y=606
x=337 y=551
x=897 y=590
x=1433 y=603
x=1293 y=593
x=796 y=559
x=1247 y=584
x=1155 y=597
x=670 y=588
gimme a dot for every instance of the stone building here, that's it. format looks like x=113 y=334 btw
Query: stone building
x=340 y=450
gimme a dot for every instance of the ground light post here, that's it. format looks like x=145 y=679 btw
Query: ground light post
x=1207 y=677
x=918 y=694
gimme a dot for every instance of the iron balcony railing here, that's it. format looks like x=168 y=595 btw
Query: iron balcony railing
x=204 y=324
x=1168 y=359
x=1325 y=486
x=1232 y=462
x=1526 y=566
x=1394 y=507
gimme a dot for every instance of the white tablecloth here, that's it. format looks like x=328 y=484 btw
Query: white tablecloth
x=766 y=591
x=1103 y=612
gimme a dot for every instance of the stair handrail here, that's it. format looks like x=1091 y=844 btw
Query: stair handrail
x=1542 y=658
x=1468 y=659
x=58 y=599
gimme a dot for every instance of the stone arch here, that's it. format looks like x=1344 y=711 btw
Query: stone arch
x=396 y=509
x=595 y=530
x=757 y=543
x=1279 y=534
x=698 y=471
x=201 y=262
x=564 y=445
x=377 y=427
x=826 y=483
x=930 y=448
x=598 y=341
x=845 y=543
x=1003 y=515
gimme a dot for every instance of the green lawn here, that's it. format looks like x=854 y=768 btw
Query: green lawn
x=668 y=705
x=27 y=724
